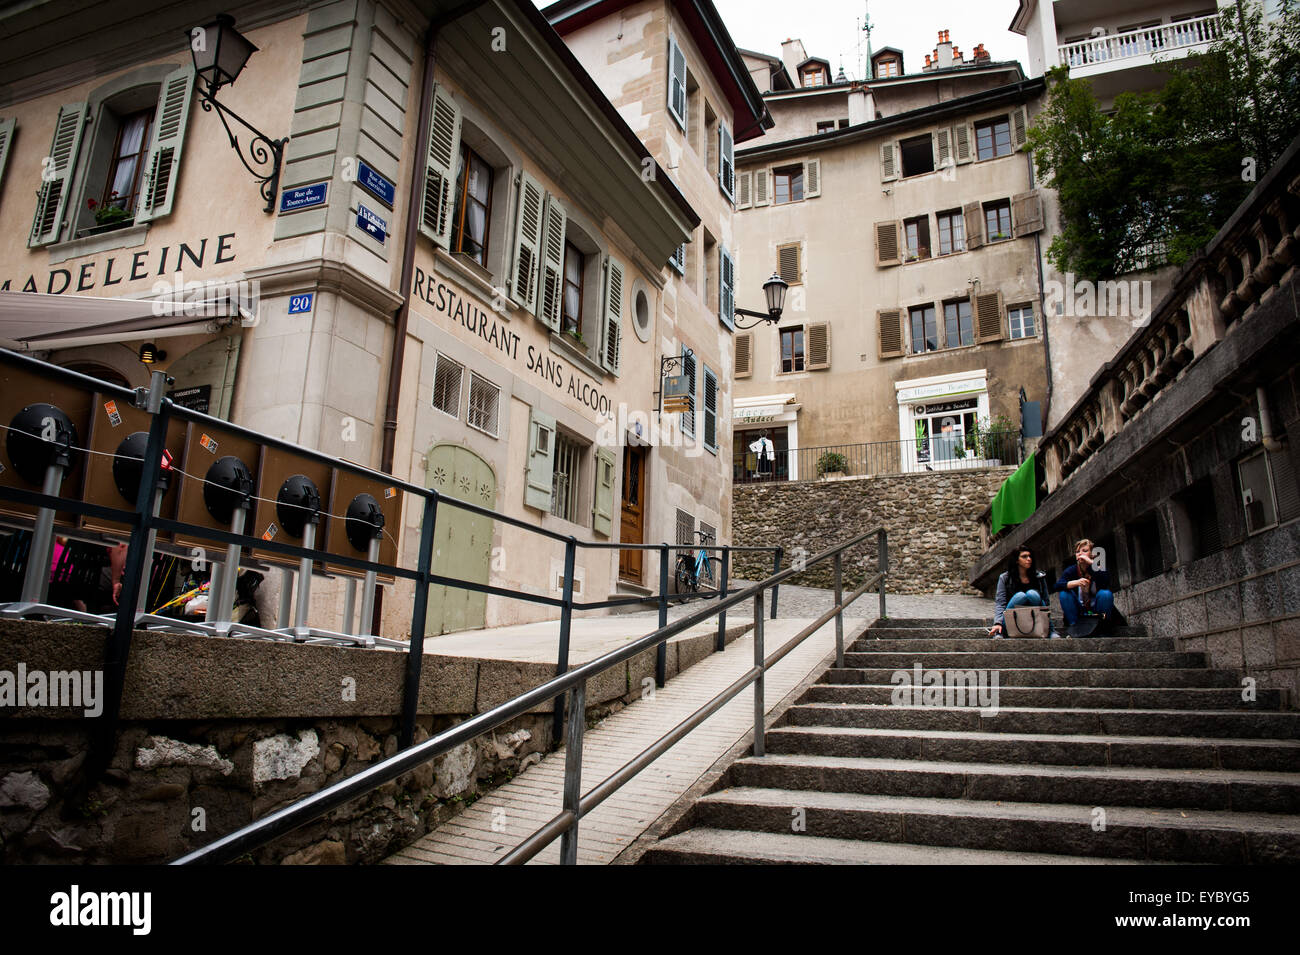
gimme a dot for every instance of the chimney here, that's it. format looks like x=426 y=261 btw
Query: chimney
x=792 y=54
x=943 y=54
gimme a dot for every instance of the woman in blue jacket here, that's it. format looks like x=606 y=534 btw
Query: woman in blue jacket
x=1084 y=589
x=1022 y=585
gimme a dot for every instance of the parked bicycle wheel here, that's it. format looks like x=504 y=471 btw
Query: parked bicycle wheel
x=685 y=576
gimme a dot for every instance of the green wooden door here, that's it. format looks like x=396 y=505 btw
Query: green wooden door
x=462 y=541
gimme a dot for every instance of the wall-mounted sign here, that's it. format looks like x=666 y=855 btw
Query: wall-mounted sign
x=943 y=407
x=300 y=303
x=761 y=413
x=371 y=224
x=195 y=399
x=375 y=184
x=304 y=197
x=677 y=405
x=941 y=390
x=677 y=385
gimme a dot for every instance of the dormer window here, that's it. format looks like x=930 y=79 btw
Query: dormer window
x=814 y=77
x=887 y=67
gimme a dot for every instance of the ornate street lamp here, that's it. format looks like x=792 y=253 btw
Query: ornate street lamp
x=220 y=52
x=774 y=290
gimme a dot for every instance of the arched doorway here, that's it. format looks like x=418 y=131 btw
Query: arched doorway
x=96 y=370
x=462 y=541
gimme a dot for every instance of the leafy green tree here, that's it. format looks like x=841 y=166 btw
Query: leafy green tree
x=1169 y=166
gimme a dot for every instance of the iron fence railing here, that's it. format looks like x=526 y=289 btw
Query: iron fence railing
x=941 y=452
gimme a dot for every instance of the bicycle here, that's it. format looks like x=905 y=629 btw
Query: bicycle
x=690 y=569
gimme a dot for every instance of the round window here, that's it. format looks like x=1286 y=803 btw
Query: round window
x=642 y=315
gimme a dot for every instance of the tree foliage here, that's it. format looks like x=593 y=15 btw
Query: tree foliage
x=1168 y=167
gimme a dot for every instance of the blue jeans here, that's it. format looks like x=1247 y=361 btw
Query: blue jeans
x=1072 y=610
x=1029 y=598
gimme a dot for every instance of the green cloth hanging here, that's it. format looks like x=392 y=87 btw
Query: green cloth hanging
x=1016 y=498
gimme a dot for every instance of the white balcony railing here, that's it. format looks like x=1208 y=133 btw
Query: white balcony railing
x=1135 y=43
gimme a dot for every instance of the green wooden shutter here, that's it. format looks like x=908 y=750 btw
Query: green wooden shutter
x=56 y=175
x=551 y=288
x=528 y=242
x=164 y=164
x=612 y=343
x=602 y=511
x=440 y=169
x=541 y=460
x=727 y=289
x=7 y=127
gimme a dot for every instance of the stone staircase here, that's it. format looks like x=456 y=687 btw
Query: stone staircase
x=1104 y=750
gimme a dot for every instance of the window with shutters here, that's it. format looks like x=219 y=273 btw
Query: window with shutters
x=958 y=324
x=484 y=404
x=571 y=314
x=917 y=155
x=121 y=191
x=447 y=375
x=787 y=184
x=792 y=350
x=997 y=220
x=888 y=251
x=952 y=232
x=917 y=233
x=818 y=340
x=473 y=211
x=890 y=321
x=677 y=82
x=744 y=354
x=925 y=330
x=993 y=138
x=685 y=527
x=710 y=410
x=566 y=479
x=789 y=264
x=688 y=369
x=1268 y=489
x=1020 y=321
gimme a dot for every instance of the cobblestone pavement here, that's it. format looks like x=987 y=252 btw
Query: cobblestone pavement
x=812 y=602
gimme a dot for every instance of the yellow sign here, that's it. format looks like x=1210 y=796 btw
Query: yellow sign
x=677 y=404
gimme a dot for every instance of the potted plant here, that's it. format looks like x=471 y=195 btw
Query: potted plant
x=109 y=216
x=832 y=465
x=991 y=437
x=576 y=335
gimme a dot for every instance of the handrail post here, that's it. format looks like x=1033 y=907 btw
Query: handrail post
x=722 y=595
x=776 y=569
x=839 y=616
x=573 y=770
x=419 y=611
x=882 y=565
x=758 y=683
x=566 y=624
x=661 y=654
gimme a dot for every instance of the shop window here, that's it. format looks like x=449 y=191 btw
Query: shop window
x=917 y=155
x=958 y=324
x=993 y=138
x=792 y=350
x=952 y=232
x=925 y=331
x=1020 y=319
x=473 y=211
x=447 y=377
x=997 y=220
x=484 y=404
x=917 y=232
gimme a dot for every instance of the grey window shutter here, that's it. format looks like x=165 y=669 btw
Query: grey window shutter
x=1027 y=213
x=56 y=175
x=973 y=214
x=7 y=127
x=788 y=265
x=744 y=354
x=819 y=346
x=541 y=460
x=602 y=510
x=943 y=147
x=743 y=181
x=162 y=170
x=710 y=409
x=812 y=178
x=962 y=137
x=612 y=343
x=888 y=251
x=726 y=162
x=551 y=288
x=1019 y=126
x=888 y=163
x=678 y=260
x=528 y=243
x=688 y=369
x=891 y=332
x=440 y=162
x=988 y=317
x=676 y=81
x=727 y=288
x=762 y=196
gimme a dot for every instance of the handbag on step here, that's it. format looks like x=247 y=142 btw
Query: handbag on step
x=1027 y=622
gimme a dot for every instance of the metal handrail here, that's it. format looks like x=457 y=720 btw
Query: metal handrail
x=574 y=682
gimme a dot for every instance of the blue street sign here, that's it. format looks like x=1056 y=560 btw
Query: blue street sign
x=375 y=184
x=292 y=200
x=371 y=224
x=300 y=303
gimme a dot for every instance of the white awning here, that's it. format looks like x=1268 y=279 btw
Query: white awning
x=32 y=321
x=758 y=401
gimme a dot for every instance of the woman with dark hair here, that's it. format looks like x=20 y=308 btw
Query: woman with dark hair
x=1021 y=585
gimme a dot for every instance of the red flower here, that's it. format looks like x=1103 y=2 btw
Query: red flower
x=91 y=203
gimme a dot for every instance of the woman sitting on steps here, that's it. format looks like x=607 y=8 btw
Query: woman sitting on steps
x=1022 y=585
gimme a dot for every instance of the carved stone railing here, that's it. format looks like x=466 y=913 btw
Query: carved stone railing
x=1239 y=268
x=1145 y=42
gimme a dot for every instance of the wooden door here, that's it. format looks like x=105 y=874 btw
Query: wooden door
x=462 y=541
x=631 y=562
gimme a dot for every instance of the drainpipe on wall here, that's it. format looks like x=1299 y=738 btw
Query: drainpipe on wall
x=1042 y=306
x=1265 y=422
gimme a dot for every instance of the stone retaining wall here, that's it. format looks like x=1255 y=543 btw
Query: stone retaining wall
x=932 y=520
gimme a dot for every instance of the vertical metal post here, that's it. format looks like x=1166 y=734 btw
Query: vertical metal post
x=304 y=576
x=349 y=605
x=230 y=569
x=566 y=624
x=758 y=684
x=776 y=568
x=36 y=582
x=150 y=540
x=661 y=654
x=286 y=597
x=215 y=577
x=419 y=610
x=839 y=616
x=368 y=588
x=722 y=595
x=573 y=770
x=882 y=564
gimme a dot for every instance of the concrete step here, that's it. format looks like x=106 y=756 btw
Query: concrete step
x=915 y=634
x=738 y=847
x=986 y=659
x=1105 y=722
x=1219 y=789
x=1078 y=750
x=967 y=642
x=1062 y=676
x=913 y=623
x=1186 y=835
x=1070 y=697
